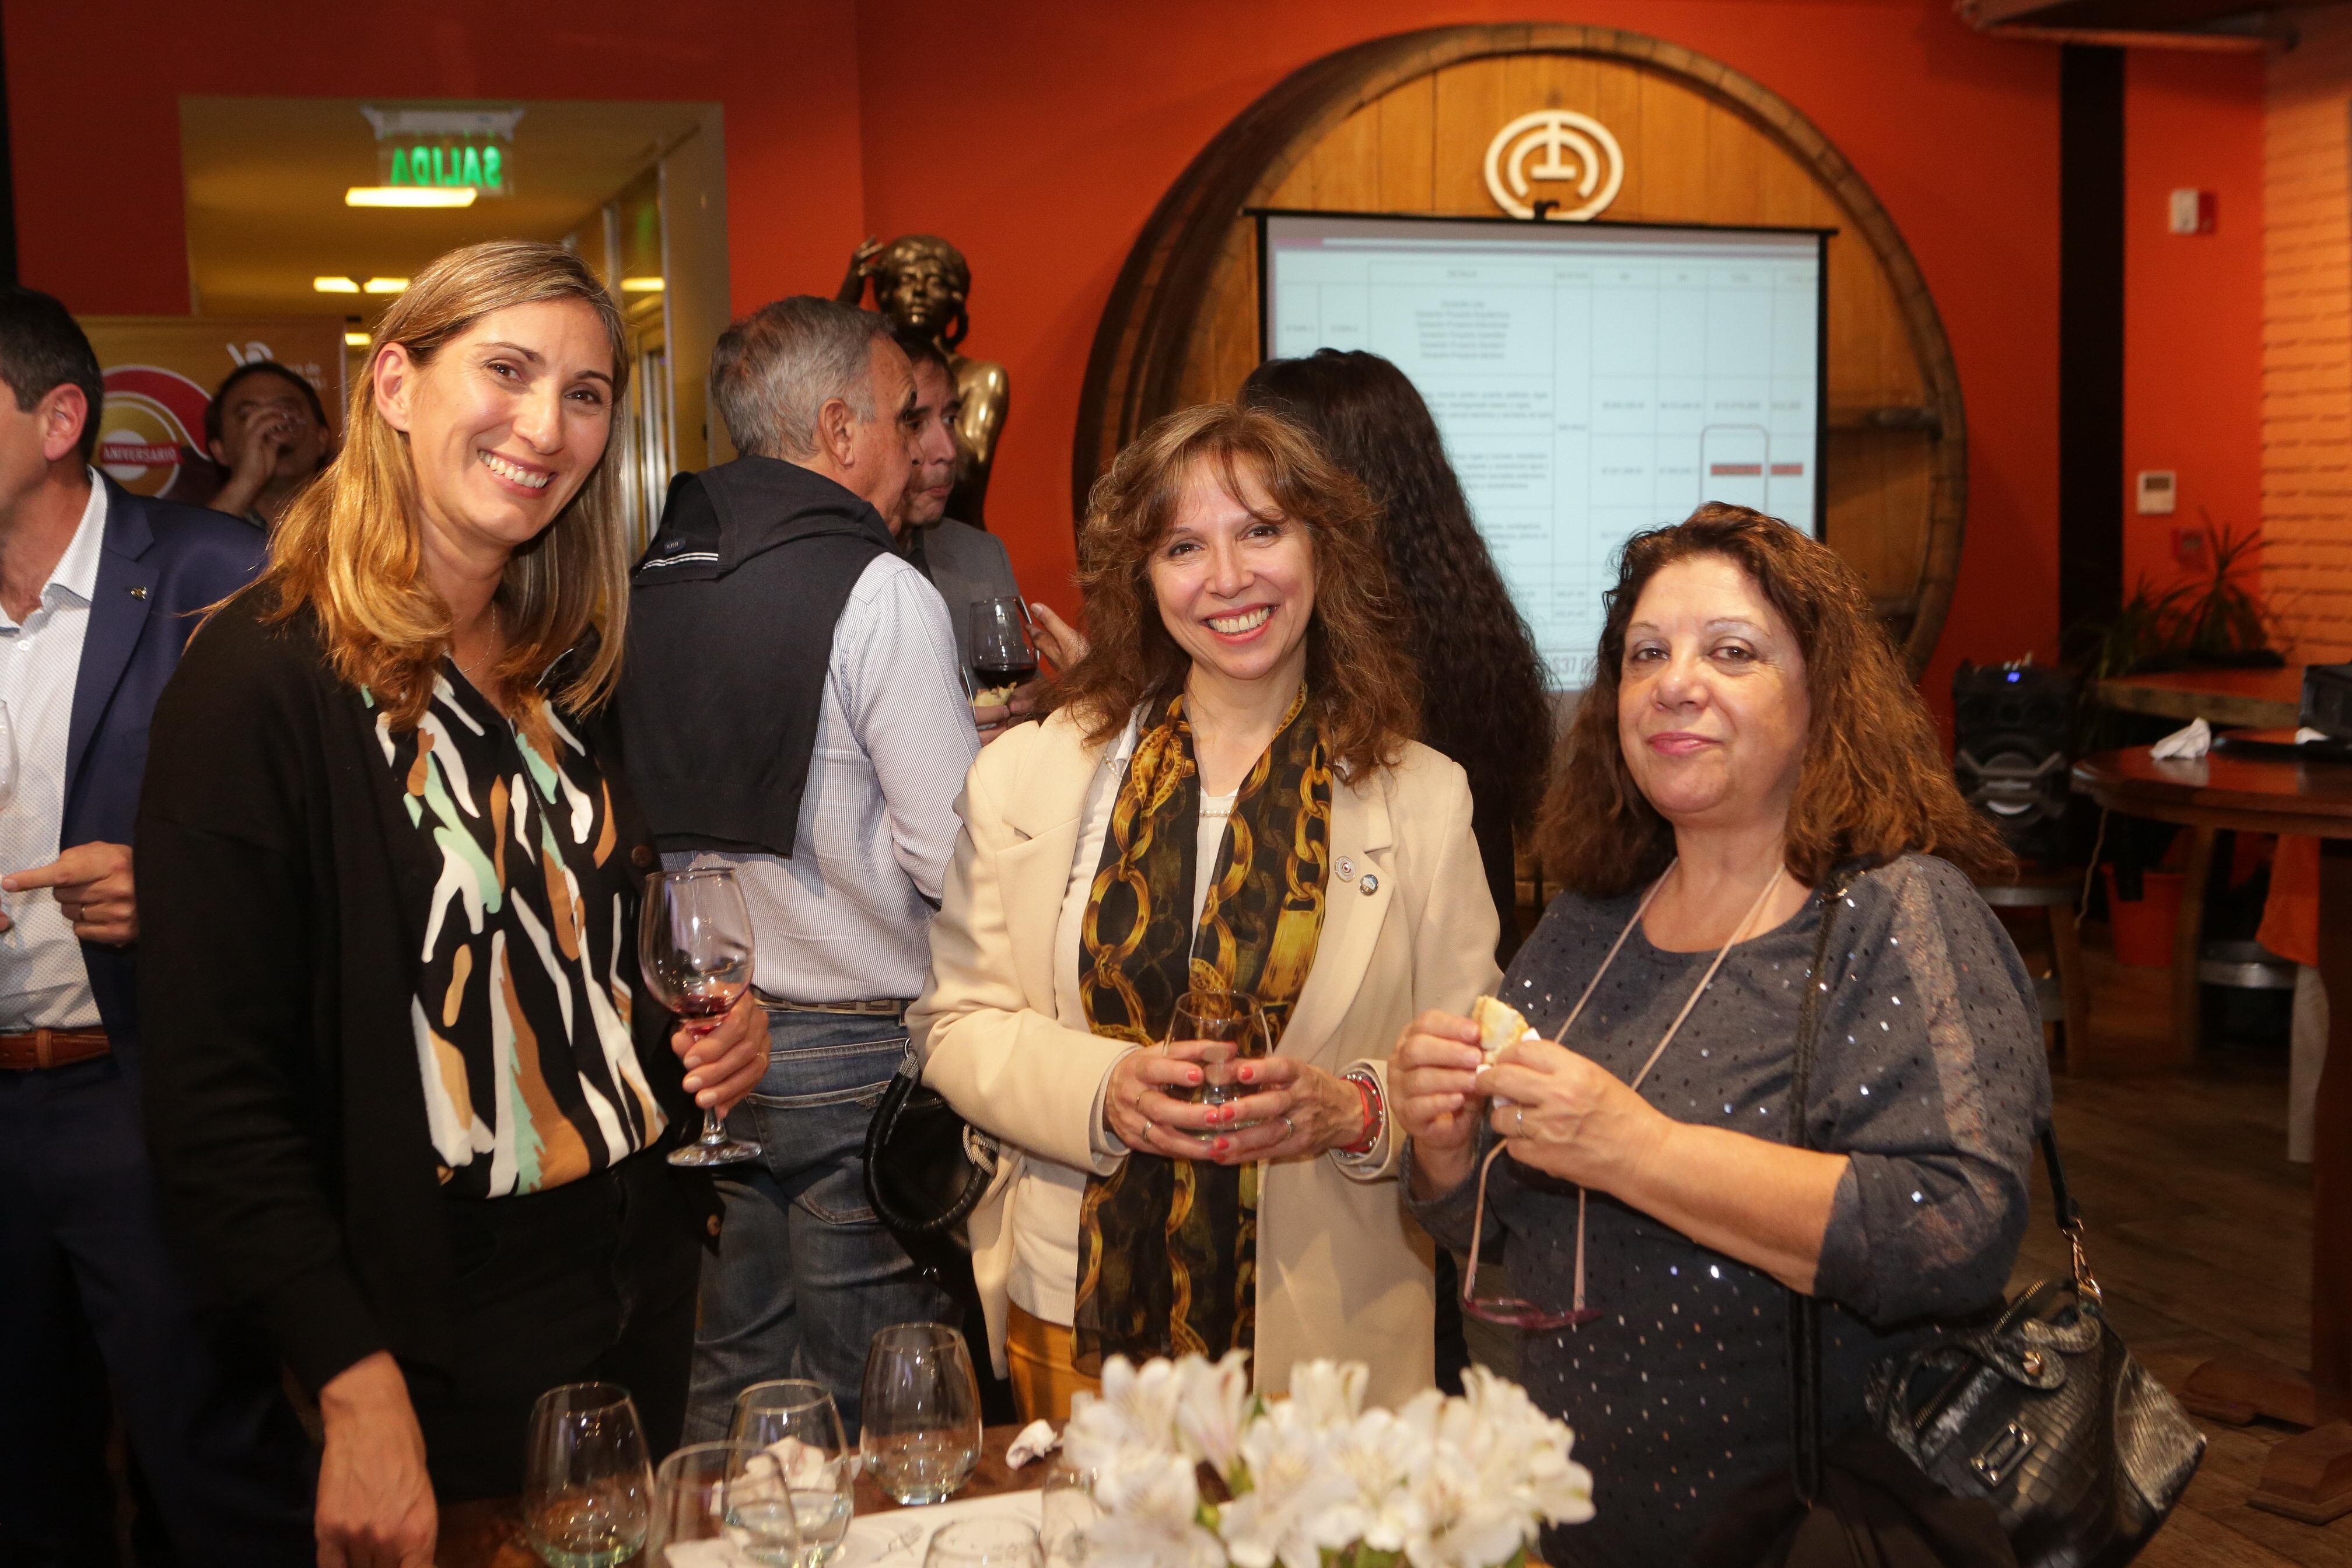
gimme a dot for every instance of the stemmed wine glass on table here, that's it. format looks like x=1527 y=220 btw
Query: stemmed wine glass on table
x=694 y=947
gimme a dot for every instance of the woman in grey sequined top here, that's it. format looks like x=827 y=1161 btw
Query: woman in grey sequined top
x=1749 y=742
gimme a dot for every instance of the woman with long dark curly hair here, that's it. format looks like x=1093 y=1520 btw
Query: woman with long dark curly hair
x=1470 y=645
x=1752 y=791
x=1227 y=798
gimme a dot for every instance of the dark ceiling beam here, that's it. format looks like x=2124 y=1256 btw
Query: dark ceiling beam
x=2110 y=15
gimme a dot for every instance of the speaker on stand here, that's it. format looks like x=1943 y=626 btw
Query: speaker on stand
x=2012 y=755
x=2013 y=726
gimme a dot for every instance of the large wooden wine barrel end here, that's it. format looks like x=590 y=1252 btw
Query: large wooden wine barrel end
x=1400 y=125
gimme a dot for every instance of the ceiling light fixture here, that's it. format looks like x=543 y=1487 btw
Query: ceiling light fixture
x=641 y=285
x=386 y=285
x=410 y=196
x=356 y=340
x=334 y=286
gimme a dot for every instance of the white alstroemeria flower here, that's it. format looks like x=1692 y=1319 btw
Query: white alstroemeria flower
x=1381 y=1455
x=1150 y=1518
x=1213 y=1402
x=1524 y=1453
x=1330 y=1392
x=1299 y=1500
x=1138 y=1407
x=1448 y=1483
x=1462 y=1523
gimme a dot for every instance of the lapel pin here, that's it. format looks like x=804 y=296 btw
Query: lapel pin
x=138 y=591
x=1346 y=870
x=1371 y=884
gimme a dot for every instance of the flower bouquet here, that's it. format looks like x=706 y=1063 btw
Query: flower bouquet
x=1190 y=1469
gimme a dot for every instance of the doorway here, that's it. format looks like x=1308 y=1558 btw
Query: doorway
x=303 y=209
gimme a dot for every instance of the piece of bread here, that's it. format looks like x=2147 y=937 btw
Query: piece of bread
x=1499 y=1025
x=993 y=696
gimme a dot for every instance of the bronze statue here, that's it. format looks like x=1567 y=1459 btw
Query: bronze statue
x=920 y=283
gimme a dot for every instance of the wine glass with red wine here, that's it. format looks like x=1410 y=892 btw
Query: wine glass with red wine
x=1003 y=653
x=694 y=946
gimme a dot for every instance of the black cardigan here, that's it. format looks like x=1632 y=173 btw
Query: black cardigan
x=277 y=963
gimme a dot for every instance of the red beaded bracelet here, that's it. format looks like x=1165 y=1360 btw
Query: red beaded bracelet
x=1368 y=1088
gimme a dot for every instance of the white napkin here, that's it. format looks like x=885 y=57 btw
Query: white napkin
x=2307 y=736
x=1036 y=1440
x=2185 y=744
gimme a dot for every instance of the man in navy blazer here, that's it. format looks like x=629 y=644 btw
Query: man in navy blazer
x=100 y=590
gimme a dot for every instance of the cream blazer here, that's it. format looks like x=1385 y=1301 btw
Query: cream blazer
x=1341 y=1272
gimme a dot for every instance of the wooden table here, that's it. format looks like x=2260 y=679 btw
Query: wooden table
x=2258 y=698
x=2308 y=1477
x=490 y=1534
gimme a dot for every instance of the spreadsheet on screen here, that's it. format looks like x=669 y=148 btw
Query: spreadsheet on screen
x=1591 y=380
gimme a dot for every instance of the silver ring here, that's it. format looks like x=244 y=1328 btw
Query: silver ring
x=1149 y=1125
x=1518 y=1121
x=1287 y=1129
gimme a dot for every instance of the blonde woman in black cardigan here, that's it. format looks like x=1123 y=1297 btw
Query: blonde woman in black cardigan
x=406 y=1096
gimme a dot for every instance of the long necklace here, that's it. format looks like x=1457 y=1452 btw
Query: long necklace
x=1576 y=1307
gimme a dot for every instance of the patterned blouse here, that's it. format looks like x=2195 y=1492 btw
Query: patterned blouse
x=521 y=1011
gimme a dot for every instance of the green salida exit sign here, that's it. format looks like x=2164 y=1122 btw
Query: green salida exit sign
x=445 y=147
x=483 y=167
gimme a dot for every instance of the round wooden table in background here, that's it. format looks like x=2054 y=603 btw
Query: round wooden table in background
x=2308 y=1477
x=2256 y=698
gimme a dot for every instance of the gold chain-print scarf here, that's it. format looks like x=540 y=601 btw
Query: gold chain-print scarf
x=1138 y=953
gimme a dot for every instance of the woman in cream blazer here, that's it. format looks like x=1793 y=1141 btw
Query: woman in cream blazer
x=1237 y=527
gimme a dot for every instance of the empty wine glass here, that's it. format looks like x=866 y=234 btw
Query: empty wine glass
x=795 y=1421
x=730 y=1493
x=587 y=1491
x=694 y=948
x=983 y=1543
x=920 y=1412
x=1067 y=1510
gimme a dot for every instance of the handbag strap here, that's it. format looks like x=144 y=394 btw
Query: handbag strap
x=1804 y=1311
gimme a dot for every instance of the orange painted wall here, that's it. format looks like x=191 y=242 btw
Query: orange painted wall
x=2193 y=303
x=1042 y=144
x=94 y=114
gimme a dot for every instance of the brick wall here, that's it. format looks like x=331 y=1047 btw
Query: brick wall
x=2307 y=337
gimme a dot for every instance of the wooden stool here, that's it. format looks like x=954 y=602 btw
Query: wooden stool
x=2066 y=1000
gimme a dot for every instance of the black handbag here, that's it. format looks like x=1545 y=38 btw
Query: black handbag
x=922 y=1177
x=2036 y=1441
x=2047 y=1418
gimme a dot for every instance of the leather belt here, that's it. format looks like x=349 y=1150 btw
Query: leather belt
x=52 y=1048
x=888 y=1005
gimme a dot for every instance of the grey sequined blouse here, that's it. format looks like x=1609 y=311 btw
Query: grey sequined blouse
x=1930 y=1076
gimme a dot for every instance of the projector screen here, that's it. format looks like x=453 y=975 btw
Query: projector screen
x=1591 y=380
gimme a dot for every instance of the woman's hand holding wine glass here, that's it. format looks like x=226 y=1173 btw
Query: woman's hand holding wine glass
x=724 y=1063
x=694 y=949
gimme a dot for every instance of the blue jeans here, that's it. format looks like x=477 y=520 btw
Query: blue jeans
x=805 y=1274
